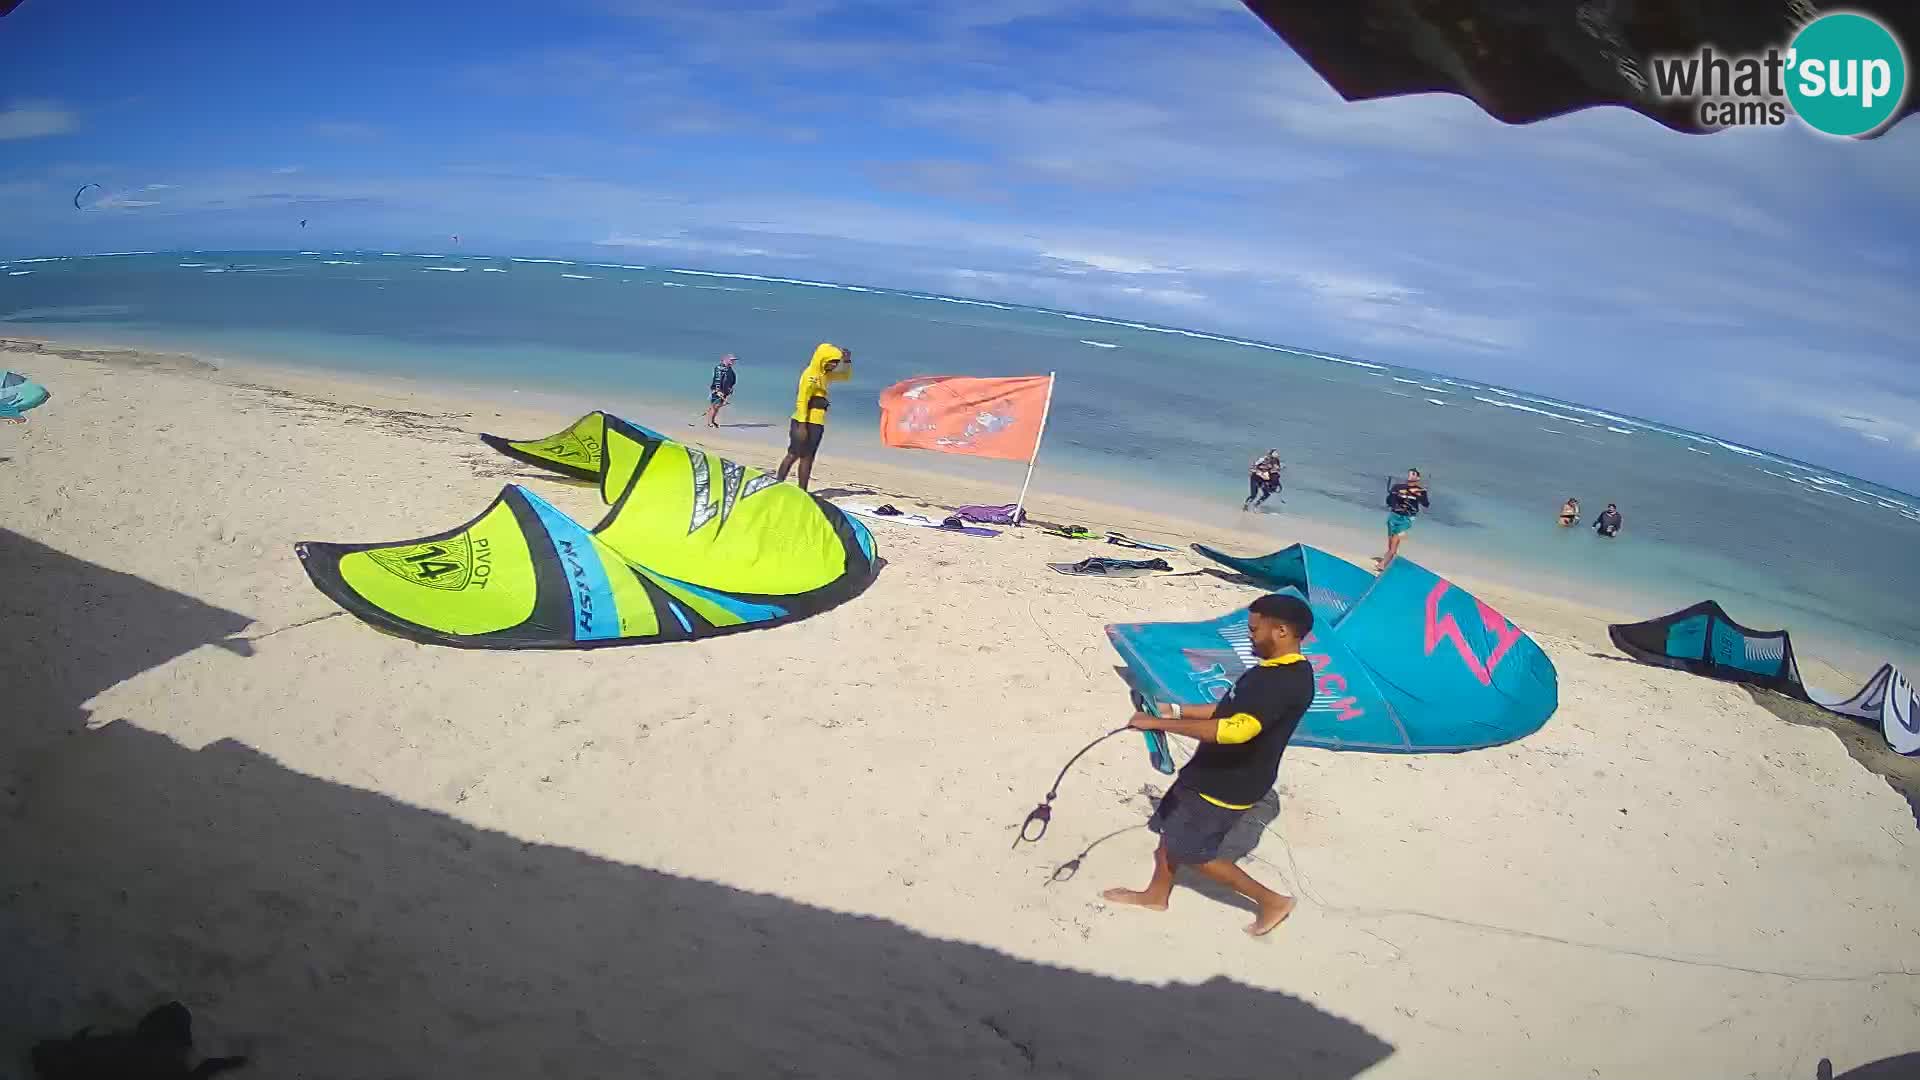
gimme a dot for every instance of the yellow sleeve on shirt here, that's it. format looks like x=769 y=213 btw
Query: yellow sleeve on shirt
x=811 y=386
x=1237 y=728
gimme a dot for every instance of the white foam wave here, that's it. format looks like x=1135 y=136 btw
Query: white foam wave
x=1620 y=430
x=418 y=256
x=676 y=285
x=493 y=270
x=1435 y=401
x=616 y=266
x=1741 y=450
x=309 y=253
x=117 y=254
x=1528 y=408
x=56 y=258
x=1434 y=389
x=1397 y=393
x=579 y=277
x=215 y=270
x=392 y=255
x=1099 y=344
x=1697 y=450
x=338 y=262
x=1414 y=382
x=445 y=269
x=18 y=273
x=555 y=262
x=192 y=266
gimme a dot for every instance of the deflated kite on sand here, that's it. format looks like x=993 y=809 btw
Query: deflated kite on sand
x=692 y=546
x=1410 y=663
x=1705 y=640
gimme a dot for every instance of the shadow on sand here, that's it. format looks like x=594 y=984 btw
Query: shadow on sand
x=334 y=932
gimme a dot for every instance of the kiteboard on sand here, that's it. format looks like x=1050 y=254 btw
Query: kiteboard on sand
x=918 y=521
x=1112 y=568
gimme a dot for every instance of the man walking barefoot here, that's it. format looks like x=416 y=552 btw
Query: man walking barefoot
x=1241 y=739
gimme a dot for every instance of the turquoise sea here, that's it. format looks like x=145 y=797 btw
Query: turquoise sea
x=1142 y=414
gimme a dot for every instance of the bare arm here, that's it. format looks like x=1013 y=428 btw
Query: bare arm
x=1193 y=721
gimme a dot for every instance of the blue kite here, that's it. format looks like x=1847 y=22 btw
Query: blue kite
x=1414 y=664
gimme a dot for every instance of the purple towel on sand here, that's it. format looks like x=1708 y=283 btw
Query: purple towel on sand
x=990 y=515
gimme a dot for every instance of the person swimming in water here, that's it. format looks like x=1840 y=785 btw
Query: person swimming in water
x=1608 y=523
x=1569 y=512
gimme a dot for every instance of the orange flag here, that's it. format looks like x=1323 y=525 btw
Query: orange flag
x=955 y=414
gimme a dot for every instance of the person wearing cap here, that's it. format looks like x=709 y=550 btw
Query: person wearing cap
x=720 y=390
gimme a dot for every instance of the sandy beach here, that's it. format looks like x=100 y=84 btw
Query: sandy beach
x=790 y=852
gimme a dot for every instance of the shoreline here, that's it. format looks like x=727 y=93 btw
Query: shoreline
x=847 y=461
x=857 y=460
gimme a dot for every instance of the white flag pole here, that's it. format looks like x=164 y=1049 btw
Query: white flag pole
x=1019 y=509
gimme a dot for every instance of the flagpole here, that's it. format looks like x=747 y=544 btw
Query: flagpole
x=1019 y=508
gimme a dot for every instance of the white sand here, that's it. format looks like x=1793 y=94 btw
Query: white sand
x=788 y=852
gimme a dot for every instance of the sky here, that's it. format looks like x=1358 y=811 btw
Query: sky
x=1164 y=160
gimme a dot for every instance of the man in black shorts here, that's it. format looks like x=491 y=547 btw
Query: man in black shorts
x=830 y=364
x=1241 y=739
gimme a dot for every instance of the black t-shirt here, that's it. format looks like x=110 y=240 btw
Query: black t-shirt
x=1404 y=498
x=1276 y=695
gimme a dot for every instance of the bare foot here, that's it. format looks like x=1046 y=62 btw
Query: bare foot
x=13 y=419
x=1136 y=898
x=1271 y=917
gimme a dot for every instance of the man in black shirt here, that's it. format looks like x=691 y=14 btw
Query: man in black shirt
x=1405 y=500
x=1608 y=522
x=1241 y=739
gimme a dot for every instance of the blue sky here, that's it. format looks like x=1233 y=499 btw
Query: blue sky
x=1161 y=159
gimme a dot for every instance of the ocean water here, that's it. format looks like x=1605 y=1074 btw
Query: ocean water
x=1141 y=413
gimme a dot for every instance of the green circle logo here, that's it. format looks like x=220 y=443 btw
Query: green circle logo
x=1847 y=74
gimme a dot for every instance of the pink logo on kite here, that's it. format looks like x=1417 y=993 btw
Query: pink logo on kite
x=1443 y=626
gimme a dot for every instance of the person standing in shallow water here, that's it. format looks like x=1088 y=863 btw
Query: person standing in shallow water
x=808 y=425
x=1608 y=523
x=1263 y=479
x=1405 y=500
x=1241 y=737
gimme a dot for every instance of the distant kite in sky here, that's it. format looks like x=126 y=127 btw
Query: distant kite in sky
x=83 y=191
x=303 y=223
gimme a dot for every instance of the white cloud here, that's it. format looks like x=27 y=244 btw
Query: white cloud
x=683 y=243
x=1112 y=264
x=287 y=170
x=34 y=119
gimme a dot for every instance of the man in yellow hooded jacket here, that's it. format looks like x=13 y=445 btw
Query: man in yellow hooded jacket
x=830 y=364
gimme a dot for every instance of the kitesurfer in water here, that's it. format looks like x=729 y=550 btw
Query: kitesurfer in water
x=1263 y=479
x=1569 y=512
x=1241 y=739
x=720 y=390
x=1608 y=523
x=830 y=364
x=1405 y=500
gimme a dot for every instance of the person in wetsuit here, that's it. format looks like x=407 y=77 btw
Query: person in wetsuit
x=1263 y=479
x=1608 y=523
x=1405 y=500
x=720 y=390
